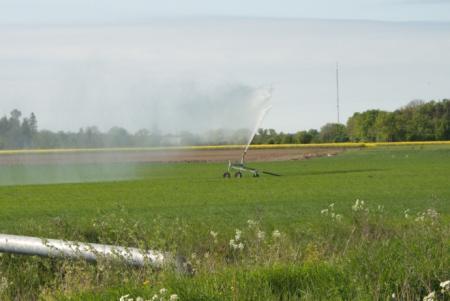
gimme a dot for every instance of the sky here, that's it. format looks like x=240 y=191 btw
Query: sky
x=98 y=11
x=196 y=65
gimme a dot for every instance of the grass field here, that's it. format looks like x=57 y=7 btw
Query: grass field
x=390 y=245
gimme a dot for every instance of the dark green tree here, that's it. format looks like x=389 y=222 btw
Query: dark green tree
x=333 y=132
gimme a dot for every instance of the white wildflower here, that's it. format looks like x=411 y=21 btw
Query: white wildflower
x=393 y=296
x=233 y=244
x=430 y=297
x=261 y=235
x=276 y=234
x=154 y=298
x=445 y=286
x=432 y=214
x=330 y=212
x=213 y=234
x=238 y=234
x=139 y=299
x=3 y=284
x=355 y=206
x=359 y=206
x=206 y=255
x=251 y=223
x=240 y=246
x=163 y=291
x=420 y=218
x=406 y=213
x=173 y=297
x=429 y=215
x=123 y=298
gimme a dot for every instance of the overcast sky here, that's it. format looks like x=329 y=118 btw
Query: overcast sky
x=51 y=11
x=190 y=64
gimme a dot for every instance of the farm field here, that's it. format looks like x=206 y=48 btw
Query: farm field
x=301 y=236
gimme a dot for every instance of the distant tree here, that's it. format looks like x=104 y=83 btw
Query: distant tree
x=276 y=137
x=333 y=132
x=15 y=115
x=303 y=137
x=33 y=123
x=288 y=139
x=261 y=136
x=4 y=127
x=386 y=127
x=89 y=137
x=315 y=135
x=47 y=139
x=14 y=135
x=141 y=138
x=118 y=137
x=361 y=126
x=187 y=138
x=26 y=134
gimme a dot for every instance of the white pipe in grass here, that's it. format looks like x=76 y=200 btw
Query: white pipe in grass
x=27 y=245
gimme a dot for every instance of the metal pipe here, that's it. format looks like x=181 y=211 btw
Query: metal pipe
x=27 y=245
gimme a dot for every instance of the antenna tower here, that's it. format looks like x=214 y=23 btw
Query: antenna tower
x=337 y=92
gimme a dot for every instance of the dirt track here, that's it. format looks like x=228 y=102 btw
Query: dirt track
x=217 y=155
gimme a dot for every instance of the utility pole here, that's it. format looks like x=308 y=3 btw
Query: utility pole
x=337 y=91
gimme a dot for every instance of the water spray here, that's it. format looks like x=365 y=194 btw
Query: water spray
x=240 y=166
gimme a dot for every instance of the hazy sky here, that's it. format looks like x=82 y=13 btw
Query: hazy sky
x=50 y=11
x=189 y=64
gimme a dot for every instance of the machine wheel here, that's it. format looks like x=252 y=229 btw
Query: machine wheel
x=238 y=174
x=256 y=175
x=226 y=175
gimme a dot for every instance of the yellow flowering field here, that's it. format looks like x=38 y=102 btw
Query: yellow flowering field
x=213 y=147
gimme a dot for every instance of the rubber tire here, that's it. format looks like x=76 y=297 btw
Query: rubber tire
x=226 y=175
x=238 y=174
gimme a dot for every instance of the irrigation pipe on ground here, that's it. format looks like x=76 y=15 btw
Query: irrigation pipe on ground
x=27 y=245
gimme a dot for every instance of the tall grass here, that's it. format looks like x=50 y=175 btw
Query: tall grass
x=361 y=254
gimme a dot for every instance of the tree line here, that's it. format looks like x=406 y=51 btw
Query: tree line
x=417 y=121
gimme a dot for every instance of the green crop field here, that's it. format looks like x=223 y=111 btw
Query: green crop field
x=288 y=242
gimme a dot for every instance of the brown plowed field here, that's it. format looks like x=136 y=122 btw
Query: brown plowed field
x=214 y=155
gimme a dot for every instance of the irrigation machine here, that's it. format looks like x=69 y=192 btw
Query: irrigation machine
x=239 y=167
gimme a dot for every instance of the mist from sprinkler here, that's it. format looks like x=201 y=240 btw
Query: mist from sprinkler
x=262 y=98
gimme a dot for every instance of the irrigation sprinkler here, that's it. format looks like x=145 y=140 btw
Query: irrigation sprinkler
x=240 y=166
x=27 y=245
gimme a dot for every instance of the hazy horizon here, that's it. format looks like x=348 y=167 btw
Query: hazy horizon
x=179 y=68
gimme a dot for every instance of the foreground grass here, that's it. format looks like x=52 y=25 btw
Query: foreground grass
x=288 y=250
x=364 y=256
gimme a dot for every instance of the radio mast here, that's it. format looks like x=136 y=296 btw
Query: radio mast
x=337 y=91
